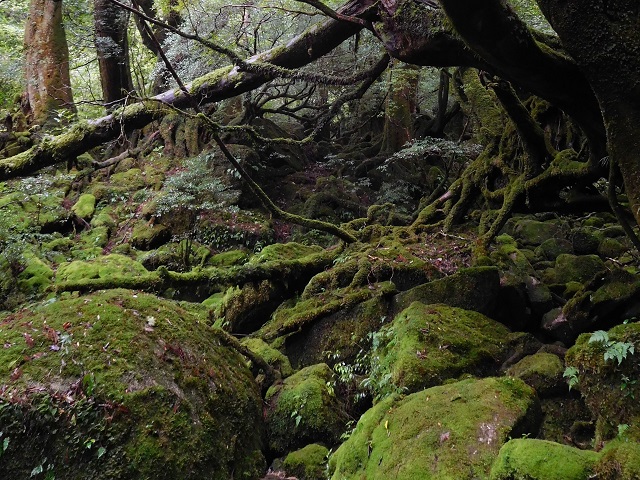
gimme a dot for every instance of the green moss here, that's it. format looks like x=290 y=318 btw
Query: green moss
x=428 y=344
x=273 y=357
x=113 y=265
x=36 y=277
x=609 y=389
x=308 y=463
x=284 y=251
x=575 y=268
x=620 y=460
x=450 y=431
x=304 y=410
x=525 y=459
x=131 y=180
x=145 y=236
x=534 y=232
x=542 y=371
x=124 y=385
x=227 y=259
x=85 y=206
x=96 y=237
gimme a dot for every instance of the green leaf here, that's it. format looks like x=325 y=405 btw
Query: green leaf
x=599 y=336
x=101 y=452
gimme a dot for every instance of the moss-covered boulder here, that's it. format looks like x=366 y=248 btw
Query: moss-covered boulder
x=619 y=460
x=124 y=385
x=308 y=463
x=542 y=371
x=551 y=248
x=303 y=410
x=36 y=277
x=114 y=265
x=469 y=288
x=85 y=206
x=426 y=345
x=146 y=237
x=535 y=232
x=574 y=268
x=530 y=459
x=607 y=370
x=452 y=431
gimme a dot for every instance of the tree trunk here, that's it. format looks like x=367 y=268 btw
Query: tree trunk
x=112 y=47
x=400 y=108
x=47 y=62
x=604 y=39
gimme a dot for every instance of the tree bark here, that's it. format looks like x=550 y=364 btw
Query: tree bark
x=400 y=108
x=112 y=47
x=604 y=39
x=47 y=62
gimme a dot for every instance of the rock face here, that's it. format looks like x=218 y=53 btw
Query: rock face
x=450 y=431
x=124 y=385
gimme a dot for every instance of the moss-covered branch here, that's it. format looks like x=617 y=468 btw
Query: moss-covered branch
x=216 y=279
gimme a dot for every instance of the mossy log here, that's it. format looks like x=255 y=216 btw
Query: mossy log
x=289 y=271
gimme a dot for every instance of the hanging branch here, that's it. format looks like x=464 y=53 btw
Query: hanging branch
x=253 y=186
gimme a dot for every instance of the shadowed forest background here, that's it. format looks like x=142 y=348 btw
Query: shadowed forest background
x=305 y=240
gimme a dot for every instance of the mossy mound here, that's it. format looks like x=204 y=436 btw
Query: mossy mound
x=85 y=206
x=535 y=232
x=428 y=344
x=530 y=459
x=620 y=460
x=308 y=463
x=452 y=431
x=146 y=237
x=246 y=309
x=542 y=371
x=303 y=409
x=124 y=385
x=284 y=251
x=609 y=385
x=113 y=265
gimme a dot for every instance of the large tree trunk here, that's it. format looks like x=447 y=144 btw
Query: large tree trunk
x=112 y=46
x=47 y=62
x=604 y=39
x=400 y=108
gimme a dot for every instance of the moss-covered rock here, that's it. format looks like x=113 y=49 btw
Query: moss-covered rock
x=609 y=385
x=36 y=277
x=227 y=259
x=585 y=240
x=246 y=309
x=451 y=431
x=284 y=251
x=469 y=288
x=273 y=357
x=619 y=460
x=552 y=247
x=303 y=410
x=542 y=371
x=85 y=206
x=600 y=304
x=426 y=345
x=113 y=265
x=124 y=385
x=535 y=232
x=146 y=237
x=574 y=268
x=611 y=248
x=308 y=463
x=530 y=459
